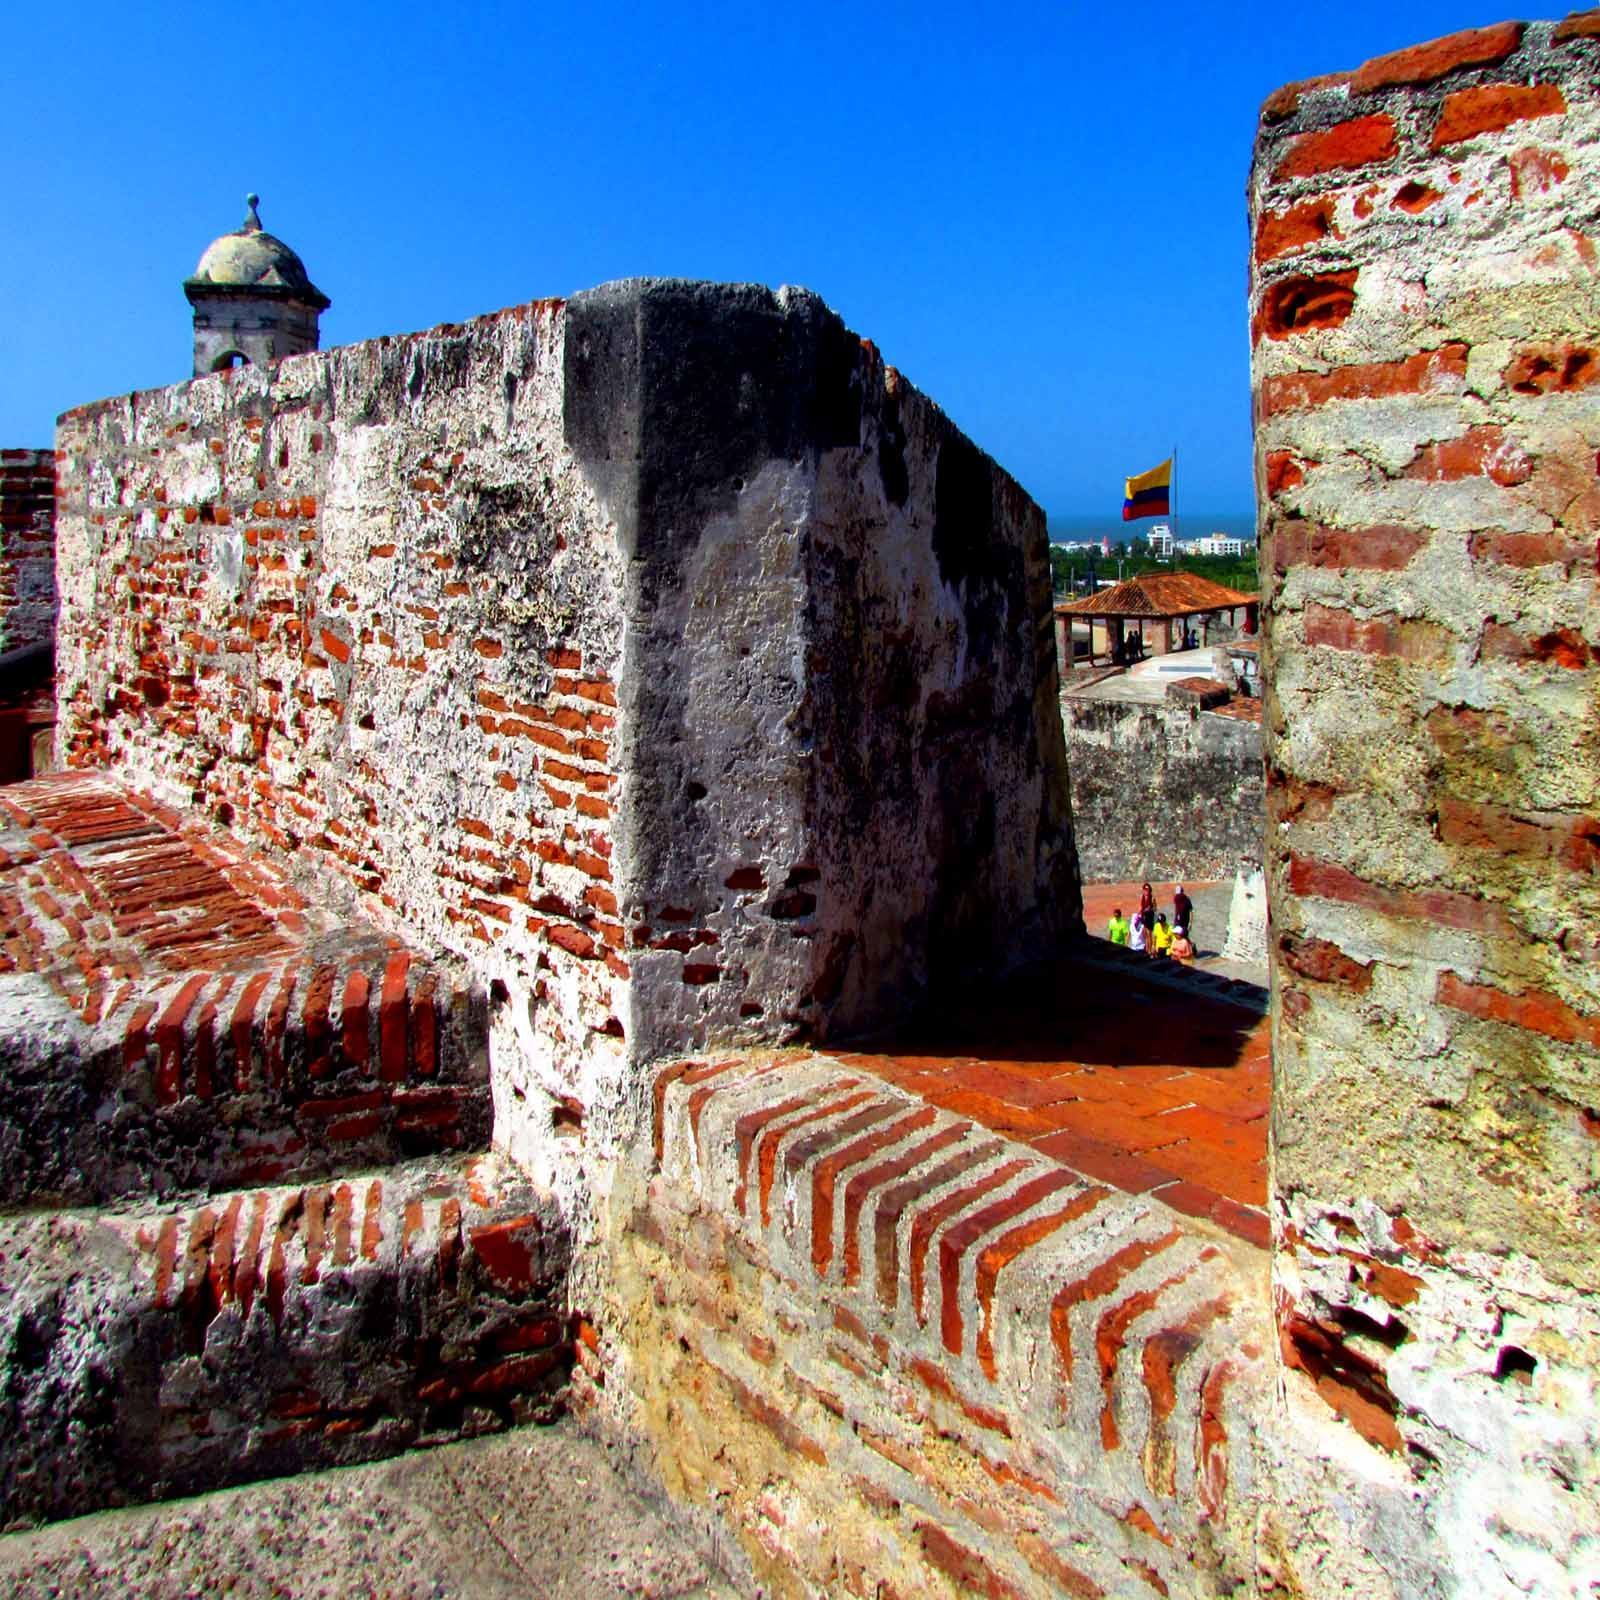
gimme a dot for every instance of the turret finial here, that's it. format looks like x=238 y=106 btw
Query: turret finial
x=252 y=223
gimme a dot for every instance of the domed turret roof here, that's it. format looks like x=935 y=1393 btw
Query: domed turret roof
x=250 y=258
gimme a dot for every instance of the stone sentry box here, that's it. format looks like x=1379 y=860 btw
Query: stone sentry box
x=662 y=651
x=1426 y=329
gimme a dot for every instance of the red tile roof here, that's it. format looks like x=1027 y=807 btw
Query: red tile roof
x=1158 y=594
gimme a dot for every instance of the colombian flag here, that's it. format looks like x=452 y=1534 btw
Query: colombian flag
x=1149 y=495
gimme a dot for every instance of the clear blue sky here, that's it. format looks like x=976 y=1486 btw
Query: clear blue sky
x=1036 y=211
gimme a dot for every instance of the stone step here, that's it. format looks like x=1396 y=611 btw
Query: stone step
x=147 y=1352
x=175 y=1016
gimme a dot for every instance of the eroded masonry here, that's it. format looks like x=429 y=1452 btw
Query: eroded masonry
x=563 y=893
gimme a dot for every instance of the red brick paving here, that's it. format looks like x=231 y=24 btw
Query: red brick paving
x=1137 y=1084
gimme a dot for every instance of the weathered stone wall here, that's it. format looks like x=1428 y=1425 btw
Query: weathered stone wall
x=151 y=1352
x=662 y=651
x=27 y=548
x=361 y=608
x=1162 y=790
x=1426 y=325
x=842 y=775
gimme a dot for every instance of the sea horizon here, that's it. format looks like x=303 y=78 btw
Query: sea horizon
x=1077 y=528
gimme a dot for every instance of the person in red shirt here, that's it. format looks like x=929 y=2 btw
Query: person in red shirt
x=1182 y=911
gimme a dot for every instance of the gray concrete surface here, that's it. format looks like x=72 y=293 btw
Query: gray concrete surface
x=537 y=1513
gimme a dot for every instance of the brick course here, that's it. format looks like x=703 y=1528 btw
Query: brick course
x=274 y=1330
x=180 y=1016
x=925 y=1438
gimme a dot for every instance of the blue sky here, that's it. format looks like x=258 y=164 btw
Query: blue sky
x=1036 y=212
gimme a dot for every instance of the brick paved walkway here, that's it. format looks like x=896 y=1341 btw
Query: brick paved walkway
x=1154 y=1087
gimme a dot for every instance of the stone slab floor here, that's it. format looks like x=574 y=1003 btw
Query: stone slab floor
x=533 y=1512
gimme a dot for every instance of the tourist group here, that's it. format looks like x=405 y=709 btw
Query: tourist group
x=1150 y=934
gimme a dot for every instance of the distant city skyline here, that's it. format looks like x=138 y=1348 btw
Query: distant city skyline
x=1039 y=221
x=1069 y=526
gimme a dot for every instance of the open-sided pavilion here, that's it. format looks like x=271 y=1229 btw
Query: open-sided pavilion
x=1154 y=597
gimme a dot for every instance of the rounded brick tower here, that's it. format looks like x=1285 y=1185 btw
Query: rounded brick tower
x=252 y=300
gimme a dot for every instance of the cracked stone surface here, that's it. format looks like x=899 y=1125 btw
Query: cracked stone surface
x=538 y=1511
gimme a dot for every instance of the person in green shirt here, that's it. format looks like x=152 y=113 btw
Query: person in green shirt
x=1117 y=928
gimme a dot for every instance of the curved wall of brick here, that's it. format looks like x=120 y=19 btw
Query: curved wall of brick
x=1425 y=302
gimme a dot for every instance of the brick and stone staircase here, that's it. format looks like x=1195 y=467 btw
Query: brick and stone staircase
x=250 y=1224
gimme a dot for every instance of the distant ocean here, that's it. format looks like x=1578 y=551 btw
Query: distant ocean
x=1191 y=525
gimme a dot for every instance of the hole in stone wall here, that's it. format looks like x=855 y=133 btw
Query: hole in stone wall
x=696 y=791
x=1391 y=1332
x=228 y=361
x=1553 y=369
x=1515 y=1365
x=796 y=904
x=1299 y=303
x=1414 y=197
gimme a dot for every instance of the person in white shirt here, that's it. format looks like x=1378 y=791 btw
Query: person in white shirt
x=1136 y=934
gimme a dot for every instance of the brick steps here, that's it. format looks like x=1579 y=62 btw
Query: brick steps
x=175 y=1016
x=148 y=1352
x=333 y=1276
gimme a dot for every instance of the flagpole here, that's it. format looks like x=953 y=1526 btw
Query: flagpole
x=1172 y=503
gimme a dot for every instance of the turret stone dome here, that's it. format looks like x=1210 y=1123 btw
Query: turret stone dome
x=250 y=258
x=253 y=302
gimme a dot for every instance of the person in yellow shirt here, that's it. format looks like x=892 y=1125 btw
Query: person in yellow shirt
x=1117 y=928
x=1161 y=936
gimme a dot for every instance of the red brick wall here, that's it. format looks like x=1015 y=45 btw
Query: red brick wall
x=359 y=608
x=1427 y=403
x=27 y=548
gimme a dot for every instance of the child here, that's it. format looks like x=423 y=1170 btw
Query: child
x=1161 y=935
x=1182 y=949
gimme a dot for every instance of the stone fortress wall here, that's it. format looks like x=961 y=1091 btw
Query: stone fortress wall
x=27 y=548
x=1425 y=302
x=1162 y=789
x=354 y=608
x=676 y=600
x=662 y=652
